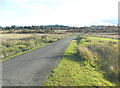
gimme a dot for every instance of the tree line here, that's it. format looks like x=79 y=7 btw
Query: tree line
x=51 y=28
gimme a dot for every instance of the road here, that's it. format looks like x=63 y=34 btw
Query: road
x=33 y=68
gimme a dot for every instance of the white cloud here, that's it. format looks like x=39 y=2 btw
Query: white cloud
x=89 y=11
x=34 y=7
x=71 y=12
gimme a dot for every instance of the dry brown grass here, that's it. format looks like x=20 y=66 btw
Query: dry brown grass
x=106 y=35
x=85 y=53
x=17 y=36
x=108 y=57
x=15 y=43
x=104 y=53
x=60 y=30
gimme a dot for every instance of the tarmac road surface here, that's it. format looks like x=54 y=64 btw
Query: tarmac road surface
x=33 y=68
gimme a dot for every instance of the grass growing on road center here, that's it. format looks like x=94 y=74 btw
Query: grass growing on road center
x=72 y=71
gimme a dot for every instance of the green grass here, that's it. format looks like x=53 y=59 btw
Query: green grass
x=73 y=71
x=95 y=40
x=22 y=53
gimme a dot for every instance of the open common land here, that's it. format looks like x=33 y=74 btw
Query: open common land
x=90 y=60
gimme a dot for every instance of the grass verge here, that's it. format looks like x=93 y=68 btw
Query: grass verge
x=22 y=52
x=73 y=71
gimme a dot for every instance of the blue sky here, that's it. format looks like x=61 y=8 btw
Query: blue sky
x=62 y=12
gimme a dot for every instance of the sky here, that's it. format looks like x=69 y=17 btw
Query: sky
x=62 y=12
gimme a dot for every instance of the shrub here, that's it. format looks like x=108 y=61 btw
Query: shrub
x=88 y=40
x=8 y=43
x=82 y=37
x=111 y=42
x=114 y=42
x=101 y=41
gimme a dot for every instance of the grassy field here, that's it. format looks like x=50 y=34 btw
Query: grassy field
x=17 y=36
x=60 y=31
x=88 y=61
x=17 y=44
x=106 y=35
x=37 y=31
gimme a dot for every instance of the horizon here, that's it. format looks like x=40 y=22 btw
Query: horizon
x=57 y=24
x=62 y=12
